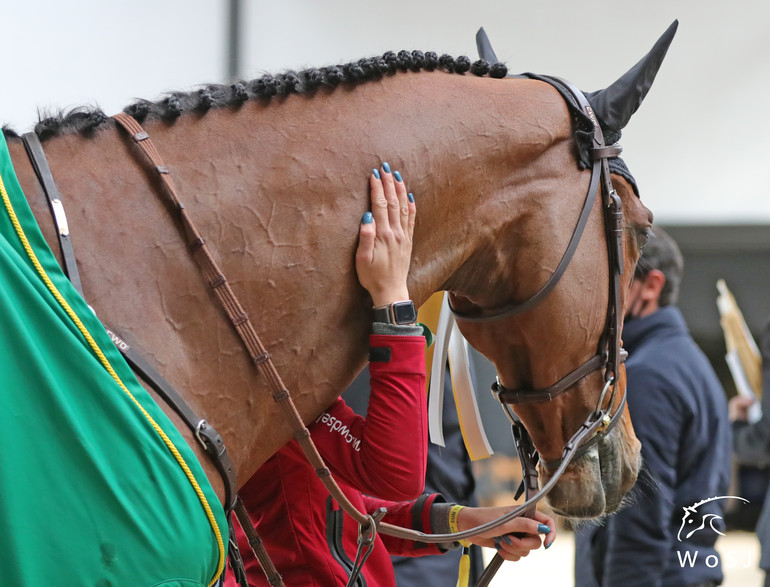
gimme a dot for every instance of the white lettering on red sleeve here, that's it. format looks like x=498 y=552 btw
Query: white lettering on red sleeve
x=336 y=425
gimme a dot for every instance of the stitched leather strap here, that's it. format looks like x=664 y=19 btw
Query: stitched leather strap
x=272 y=574
x=237 y=315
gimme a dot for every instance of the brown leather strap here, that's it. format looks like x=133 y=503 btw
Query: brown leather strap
x=208 y=437
x=272 y=574
x=518 y=308
x=546 y=394
x=240 y=320
x=606 y=152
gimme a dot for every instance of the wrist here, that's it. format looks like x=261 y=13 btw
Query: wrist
x=454 y=516
x=384 y=298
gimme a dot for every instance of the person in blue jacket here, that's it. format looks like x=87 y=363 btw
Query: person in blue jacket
x=665 y=535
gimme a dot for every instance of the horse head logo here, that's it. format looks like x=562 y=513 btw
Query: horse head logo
x=692 y=513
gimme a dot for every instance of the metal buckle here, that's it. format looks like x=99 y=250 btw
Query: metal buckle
x=198 y=427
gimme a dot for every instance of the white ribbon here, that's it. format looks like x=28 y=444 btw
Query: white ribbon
x=451 y=345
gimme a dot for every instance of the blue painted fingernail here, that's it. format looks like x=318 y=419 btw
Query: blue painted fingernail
x=543 y=529
x=410 y=195
x=507 y=540
x=498 y=546
x=376 y=173
x=547 y=546
x=386 y=167
x=397 y=175
x=368 y=218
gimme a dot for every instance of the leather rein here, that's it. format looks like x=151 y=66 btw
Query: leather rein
x=598 y=424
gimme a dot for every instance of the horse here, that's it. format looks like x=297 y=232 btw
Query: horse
x=274 y=172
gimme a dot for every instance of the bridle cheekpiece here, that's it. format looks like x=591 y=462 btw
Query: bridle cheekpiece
x=609 y=353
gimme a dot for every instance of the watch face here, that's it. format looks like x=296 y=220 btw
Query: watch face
x=404 y=313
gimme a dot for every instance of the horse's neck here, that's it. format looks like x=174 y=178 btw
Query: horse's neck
x=278 y=191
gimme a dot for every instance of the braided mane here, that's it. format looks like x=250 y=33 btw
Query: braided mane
x=87 y=120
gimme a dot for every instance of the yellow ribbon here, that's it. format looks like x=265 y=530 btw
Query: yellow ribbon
x=463 y=573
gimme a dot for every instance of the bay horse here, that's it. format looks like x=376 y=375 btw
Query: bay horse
x=275 y=170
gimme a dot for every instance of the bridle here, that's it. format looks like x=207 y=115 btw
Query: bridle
x=609 y=356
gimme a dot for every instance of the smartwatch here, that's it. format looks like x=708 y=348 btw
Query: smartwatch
x=396 y=313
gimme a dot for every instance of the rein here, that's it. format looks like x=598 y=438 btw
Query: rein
x=598 y=424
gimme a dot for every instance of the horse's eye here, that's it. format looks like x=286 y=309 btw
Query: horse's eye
x=642 y=237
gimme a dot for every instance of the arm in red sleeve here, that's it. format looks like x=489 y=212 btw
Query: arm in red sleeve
x=414 y=514
x=386 y=453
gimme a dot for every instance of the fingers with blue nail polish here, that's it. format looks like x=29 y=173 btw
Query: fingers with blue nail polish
x=385 y=237
x=397 y=176
x=517 y=537
x=410 y=195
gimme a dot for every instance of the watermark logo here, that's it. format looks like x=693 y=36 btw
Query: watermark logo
x=693 y=513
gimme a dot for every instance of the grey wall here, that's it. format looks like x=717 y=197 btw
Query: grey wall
x=699 y=135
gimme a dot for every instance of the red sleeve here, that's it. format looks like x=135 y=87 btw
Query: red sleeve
x=413 y=514
x=386 y=453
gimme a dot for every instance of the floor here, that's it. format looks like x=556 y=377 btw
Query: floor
x=553 y=567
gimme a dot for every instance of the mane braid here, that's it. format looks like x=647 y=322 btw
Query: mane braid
x=9 y=133
x=87 y=120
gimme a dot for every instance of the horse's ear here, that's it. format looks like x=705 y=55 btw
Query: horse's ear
x=485 y=47
x=615 y=105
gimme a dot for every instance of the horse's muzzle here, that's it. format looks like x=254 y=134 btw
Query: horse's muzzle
x=595 y=484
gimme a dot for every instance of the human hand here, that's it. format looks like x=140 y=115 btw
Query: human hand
x=385 y=238
x=515 y=538
x=738 y=408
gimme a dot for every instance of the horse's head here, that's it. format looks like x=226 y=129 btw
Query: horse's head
x=549 y=313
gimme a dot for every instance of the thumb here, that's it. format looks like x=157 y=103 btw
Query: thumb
x=366 y=233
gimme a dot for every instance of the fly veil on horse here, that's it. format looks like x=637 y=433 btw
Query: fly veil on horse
x=271 y=173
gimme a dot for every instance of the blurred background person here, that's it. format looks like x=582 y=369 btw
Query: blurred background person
x=751 y=444
x=679 y=411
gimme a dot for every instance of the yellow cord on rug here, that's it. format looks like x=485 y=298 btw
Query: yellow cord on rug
x=106 y=364
x=463 y=573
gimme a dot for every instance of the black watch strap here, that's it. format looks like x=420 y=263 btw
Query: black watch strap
x=402 y=312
